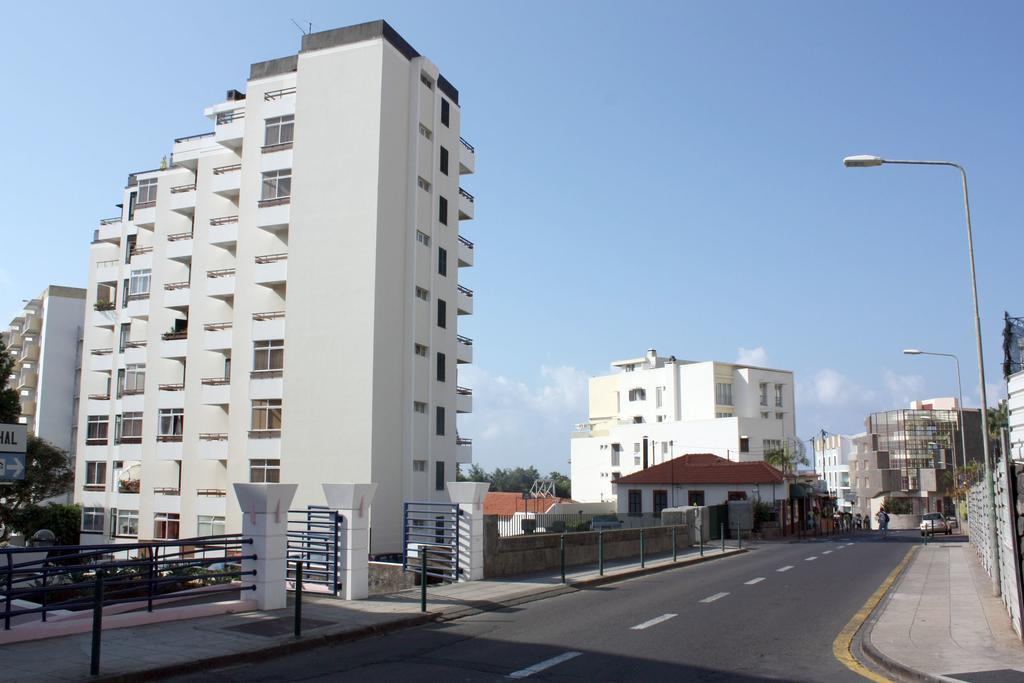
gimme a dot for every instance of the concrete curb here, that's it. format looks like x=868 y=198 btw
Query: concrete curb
x=278 y=649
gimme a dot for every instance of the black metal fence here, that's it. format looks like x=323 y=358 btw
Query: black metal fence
x=565 y=523
x=49 y=578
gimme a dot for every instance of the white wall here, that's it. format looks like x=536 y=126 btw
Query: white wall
x=714 y=494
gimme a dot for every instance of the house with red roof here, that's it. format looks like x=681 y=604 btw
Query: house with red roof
x=698 y=479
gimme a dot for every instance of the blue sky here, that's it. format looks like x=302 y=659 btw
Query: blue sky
x=648 y=174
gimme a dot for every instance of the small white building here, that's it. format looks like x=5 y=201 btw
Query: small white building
x=832 y=462
x=698 y=479
x=654 y=408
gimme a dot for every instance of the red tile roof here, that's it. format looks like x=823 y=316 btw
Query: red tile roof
x=509 y=503
x=705 y=468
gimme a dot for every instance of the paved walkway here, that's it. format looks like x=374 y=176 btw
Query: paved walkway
x=147 y=652
x=942 y=622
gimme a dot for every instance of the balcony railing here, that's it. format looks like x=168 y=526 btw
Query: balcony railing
x=279 y=147
x=272 y=95
x=169 y=438
x=102 y=352
x=271 y=258
x=266 y=374
x=268 y=315
x=167 y=491
x=135 y=345
x=180 y=386
x=464 y=340
x=171 y=286
x=208 y=436
x=463 y=441
x=220 y=170
x=139 y=251
x=468 y=146
x=466 y=243
x=188 y=138
x=467 y=195
x=107 y=263
x=212 y=493
x=230 y=116
x=222 y=272
x=216 y=327
x=465 y=290
x=264 y=433
x=173 y=336
x=178 y=236
x=141 y=296
x=110 y=221
x=223 y=220
x=216 y=382
x=463 y=391
x=275 y=201
x=99 y=397
x=183 y=188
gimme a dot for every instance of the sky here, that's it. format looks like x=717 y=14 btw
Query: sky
x=663 y=175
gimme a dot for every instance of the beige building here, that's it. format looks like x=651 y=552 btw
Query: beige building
x=282 y=301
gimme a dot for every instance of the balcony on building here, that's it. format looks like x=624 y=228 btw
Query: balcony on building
x=216 y=391
x=265 y=384
x=171 y=395
x=27 y=379
x=142 y=257
x=217 y=336
x=33 y=325
x=177 y=295
x=280 y=102
x=463 y=349
x=273 y=215
x=229 y=121
x=227 y=181
x=135 y=351
x=463 y=450
x=463 y=400
x=213 y=446
x=467 y=157
x=220 y=283
x=187 y=150
x=145 y=215
x=183 y=199
x=101 y=360
x=211 y=501
x=169 y=447
x=108 y=270
x=174 y=344
x=466 y=201
x=28 y=407
x=271 y=269
x=98 y=403
x=223 y=231
x=138 y=306
x=268 y=325
x=29 y=352
x=464 y=301
x=465 y=252
x=179 y=247
x=109 y=231
x=104 y=309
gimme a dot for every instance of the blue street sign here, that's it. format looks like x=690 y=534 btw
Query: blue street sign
x=12 y=466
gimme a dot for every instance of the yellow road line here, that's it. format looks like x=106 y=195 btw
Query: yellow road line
x=841 y=645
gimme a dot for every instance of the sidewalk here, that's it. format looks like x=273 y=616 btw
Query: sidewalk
x=144 y=653
x=941 y=621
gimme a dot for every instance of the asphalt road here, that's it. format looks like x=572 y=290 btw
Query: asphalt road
x=769 y=614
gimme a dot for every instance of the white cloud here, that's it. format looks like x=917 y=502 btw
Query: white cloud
x=756 y=356
x=903 y=389
x=830 y=387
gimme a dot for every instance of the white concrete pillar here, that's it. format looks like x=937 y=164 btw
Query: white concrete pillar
x=265 y=521
x=470 y=497
x=352 y=501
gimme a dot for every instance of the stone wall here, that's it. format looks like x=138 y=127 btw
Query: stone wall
x=530 y=553
x=388 y=577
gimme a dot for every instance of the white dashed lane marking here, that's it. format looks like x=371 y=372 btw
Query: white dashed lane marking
x=716 y=596
x=653 y=622
x=546 y=664
x=812 y=557
x=784 y=569
x=826 y=552
x=753 y=581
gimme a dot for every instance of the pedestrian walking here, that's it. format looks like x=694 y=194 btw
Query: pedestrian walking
x=883 y=522
x=857 y=522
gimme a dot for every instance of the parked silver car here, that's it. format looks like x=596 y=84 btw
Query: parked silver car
x=934 y=523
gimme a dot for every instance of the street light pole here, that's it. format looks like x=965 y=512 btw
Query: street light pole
x=960 y=400
x=864 y=161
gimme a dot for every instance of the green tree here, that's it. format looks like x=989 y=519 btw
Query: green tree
x=786 y=458
x=517 y=479
x=998 y=420
x=474 y=473
x=10 y=405
x=64 y=521
x=563 y=485
x=48 y=473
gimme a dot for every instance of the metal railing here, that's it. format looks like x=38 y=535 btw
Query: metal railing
x=268 y=315
x=223 y=220
x=271 y=95
x=183 y=188
x=45 y=579
x=138 y=251
x=532 y=522
x=230 y=116
x=467 y=195
x=189 y=138
x=176 y=386
x=170 y=286
x=466 y=243
x=465 y=290
x=107 y=263
x=178 y=236
x=215 y=381
x=463 y=391
x=464 y=340
x=110 y=221
x=313 y=539
x=174 y=336
x=212 y=436
x=468 y=146
x=221 y=272
x=271 y=258
x=219 y=170
x=216 y=327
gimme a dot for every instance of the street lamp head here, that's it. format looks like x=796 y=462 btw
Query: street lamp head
x=912 y=352
x=862 y=161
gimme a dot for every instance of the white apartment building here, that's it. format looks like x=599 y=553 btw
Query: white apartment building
x=832 y=463
x=652 y=409
x=281 y=302
x=44 y=340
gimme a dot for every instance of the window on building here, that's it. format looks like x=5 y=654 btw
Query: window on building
x=127 y=523
x=778 y=395
x=659 y=418
x=660 y=501
x=659 y=395
x=764 y=393
x=439 y=421
x=146 y=192
x=276 y=184
x=423 y=238
x=122 y=337
x=128 y=428
x=268 y=354
x=440 y=367
x=92 y=520
x=636 y=460
x=439 y=475
x=419 y=465
x=419 y=350
x=166 y=525
x=635 y=502
x=139 y=282
x=769 y=445
x=616 y=452
x=442 y=313
x=724 y=414
x=638 y=419
x=637 y=394
x=723 y=393
x=95 y=475
x=744 y=444
x=423 y=183
x=266 y=415
x=265 y=471
x=779 y=416
x=629 y=368
x=422 y=294
x=695 y=497
x=736 y=495
x=209 y=525
x=664 y=448
x=445 y=111
x=134 y=378
x=442 y=261
x=96 y=430
x=426 y=132
x=280 y=130
x=442 y=210
x=765 y=414
x=419 y=407
x=426 y=80
x=444 y=160
x=171 y=423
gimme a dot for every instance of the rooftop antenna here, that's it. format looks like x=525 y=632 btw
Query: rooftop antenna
x=303 y=31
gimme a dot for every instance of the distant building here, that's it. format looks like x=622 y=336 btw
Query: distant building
x=45 y=341
x=652 y=409
x=698 y=479
x=906 y=454
x=832 y=462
